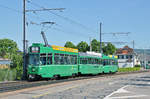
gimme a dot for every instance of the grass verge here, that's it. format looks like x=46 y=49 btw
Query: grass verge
x=129 y=69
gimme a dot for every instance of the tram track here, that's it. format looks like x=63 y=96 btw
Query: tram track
x=18 y=85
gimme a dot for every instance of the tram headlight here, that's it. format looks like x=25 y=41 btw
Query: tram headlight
x=33 y=69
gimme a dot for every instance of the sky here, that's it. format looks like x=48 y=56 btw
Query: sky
x=78 y=22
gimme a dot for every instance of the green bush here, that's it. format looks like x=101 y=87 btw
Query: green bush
x=129 y=69
x=7 y=74
x=137 y=65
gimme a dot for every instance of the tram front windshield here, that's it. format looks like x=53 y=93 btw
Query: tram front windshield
x=34 y=59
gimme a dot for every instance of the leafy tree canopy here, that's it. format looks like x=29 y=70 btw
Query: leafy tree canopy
x=7 y=47
x=96 y=45
x=110 y=49
x=82 y=46
x=69 y=44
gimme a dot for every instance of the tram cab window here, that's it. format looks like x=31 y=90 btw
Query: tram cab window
x=49 y=59
x=42 y=59
x=34 y=59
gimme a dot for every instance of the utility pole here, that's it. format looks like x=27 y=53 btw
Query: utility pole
x=24 y=76
x=27 y=46
x=144 y=59
x=90 y=44
x=24 y=40
x=101 y=38
x=133 y=55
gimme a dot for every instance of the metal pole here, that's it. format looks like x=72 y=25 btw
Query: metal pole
x=101 y=38
x=24 y=39
x=90 y=45
x=133 y=55
x=144 y=59
x=26 y=46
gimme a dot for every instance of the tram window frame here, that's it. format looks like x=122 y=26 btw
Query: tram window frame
x=106 y=61
x=99 y=61
x=69 y=59
x=65 y=59
x=93 y=60
x=96 y=61
x=61 y=57
x=75 y=59
x=43 y=57
x=49 y=59
x=85 y=60
x=56 y=59
x=89 y=61
x=81 y=60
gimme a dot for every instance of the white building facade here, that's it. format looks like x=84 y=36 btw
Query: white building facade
x=127 y=57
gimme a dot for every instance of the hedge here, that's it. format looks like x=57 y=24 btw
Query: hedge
x=7 y=74
x=129 y=69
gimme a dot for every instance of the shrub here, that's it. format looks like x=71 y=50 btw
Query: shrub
x=137 y=65
x=129 y=69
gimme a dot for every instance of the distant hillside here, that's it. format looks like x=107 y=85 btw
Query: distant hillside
x=141 y=51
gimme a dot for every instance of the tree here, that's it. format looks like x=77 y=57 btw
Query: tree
x=7 y=48
x=17 y=64
x=69 y=44
x=96 y=45
x=82 y=46
x=110 y=49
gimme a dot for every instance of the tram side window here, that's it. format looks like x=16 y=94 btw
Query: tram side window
x=99 y=61
x=96 y=61
x=65 y=59
x=81 y=60
x=68 y=59
x=61 y=57
x=93 y=61
x=89 y=60
x=56 y=58
x=112 y=62
x=85 y=60
x=49 y=59
x=74 y=59
x=42 y=59
x=105 y=62
x=75 y=56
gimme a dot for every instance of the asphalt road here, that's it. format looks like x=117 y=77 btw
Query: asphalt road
x=129 y=86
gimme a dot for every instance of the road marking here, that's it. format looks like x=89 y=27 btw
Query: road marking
x=111 y=83
x=148 y=83
x=121 y=90
x=54 y=92
x=134 y=96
